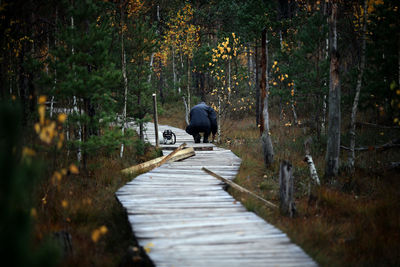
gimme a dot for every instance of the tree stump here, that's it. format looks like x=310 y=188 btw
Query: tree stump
x=287 y=205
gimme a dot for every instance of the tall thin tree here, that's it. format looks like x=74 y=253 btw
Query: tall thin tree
x=267 y=147
x=334 y=116
x=351 y=158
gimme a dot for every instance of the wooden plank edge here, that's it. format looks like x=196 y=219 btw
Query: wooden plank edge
x=238 y=187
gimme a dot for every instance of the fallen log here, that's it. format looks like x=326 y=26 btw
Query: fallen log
x=373 y=125
x=238 y=187
x=177 y=154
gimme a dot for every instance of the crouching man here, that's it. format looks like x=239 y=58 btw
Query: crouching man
x=203 y=119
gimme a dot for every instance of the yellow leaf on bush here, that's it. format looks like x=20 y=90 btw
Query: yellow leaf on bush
x=95 y=235
x=42 y=111
x=42 y=99
x=62 y=117
x=103 y=229
x=37 y=128
x=33 y=213
x=73 y=169
x=64 y=204
x=26 y=151
x=57 y=176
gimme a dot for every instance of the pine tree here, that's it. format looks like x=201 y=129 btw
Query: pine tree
x=86 y=74
x=140 y=44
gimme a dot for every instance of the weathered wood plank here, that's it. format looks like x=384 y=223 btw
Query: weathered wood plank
x=176 y=155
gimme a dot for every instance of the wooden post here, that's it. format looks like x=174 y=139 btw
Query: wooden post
x=155 y=117
x=287 y=205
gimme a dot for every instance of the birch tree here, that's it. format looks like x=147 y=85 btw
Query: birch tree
x=123 y=64
x=352 y=132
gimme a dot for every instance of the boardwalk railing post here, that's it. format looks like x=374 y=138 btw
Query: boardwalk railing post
x=287 y=205
x=155 y=117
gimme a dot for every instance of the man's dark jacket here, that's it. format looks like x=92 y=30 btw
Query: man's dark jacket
x=203 y=118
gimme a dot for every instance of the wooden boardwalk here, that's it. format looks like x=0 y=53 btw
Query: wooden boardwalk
x=185 y=217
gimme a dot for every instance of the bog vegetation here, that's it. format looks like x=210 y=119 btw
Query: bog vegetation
x=76 y=76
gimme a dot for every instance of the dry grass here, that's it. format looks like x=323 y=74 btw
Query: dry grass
x=80 y=204
x=354 y=223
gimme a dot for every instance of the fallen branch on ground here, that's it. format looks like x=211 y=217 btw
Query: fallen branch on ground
x=391 y=144
x=392 y=165
x=177 y=154
x=373 y=125
x=238 y=187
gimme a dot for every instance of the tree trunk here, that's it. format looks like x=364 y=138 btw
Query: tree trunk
x=267 y=147
x=75 y=105
x=352 y=132
x=249 y=67
x=188 y=83
x=174 y=68
x=186 y=110
x=123 y=63
x=256 y=87
x=161 y=83
x=334 y=117
x=78 y=153
x=219 y=120
x=287 y=205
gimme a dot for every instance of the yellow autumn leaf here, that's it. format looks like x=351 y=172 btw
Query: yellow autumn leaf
x=96 y=235
x=103 y=229
x=26 y=151
x=60 y=141
x=62 y=117
x=73 y=169
x=57 y=176
x=42 y=111
x=42 y=99
x=64 y=204
x=33 y=212
x=44 y=200
x=37 y=128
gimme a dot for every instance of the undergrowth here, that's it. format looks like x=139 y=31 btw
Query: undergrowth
x=84 y=206
x=354 y=223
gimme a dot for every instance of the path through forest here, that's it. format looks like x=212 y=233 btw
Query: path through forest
x=184 y=217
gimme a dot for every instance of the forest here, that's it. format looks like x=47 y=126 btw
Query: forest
x=315 y=83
